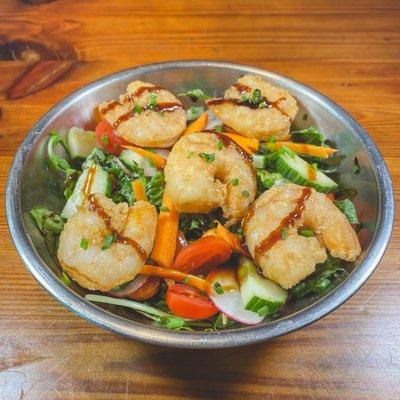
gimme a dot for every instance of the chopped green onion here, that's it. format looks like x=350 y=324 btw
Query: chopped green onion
x=218 y=288
x=153 y=100
x=209 y=157
x=190 y=154
x=104 y=139
x=164 y=209
x=284 y=232
x=137 y=109
x=245 y=193
x=306 y=233
x=218 y=128
x=220 y=145
x=235 y=182
x=84 y=243
x=109 y=238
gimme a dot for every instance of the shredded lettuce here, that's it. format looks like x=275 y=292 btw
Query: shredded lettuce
x=155 y=189
x=325 y=278
x=49 y=222
x=309 y=135
x=348 y=209
x=194 y=225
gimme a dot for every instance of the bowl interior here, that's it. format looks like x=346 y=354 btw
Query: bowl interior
x=37 y=186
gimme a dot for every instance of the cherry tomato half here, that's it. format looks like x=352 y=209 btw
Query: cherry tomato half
x=108 y=138
x=187 y=302
x=203 y=255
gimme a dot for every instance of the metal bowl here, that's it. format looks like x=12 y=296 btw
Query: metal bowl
x=30 y=184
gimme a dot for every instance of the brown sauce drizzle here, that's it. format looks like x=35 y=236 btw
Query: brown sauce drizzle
x=254 y=106
x=248 y=216
x=109 y=107
x=139 y=91
x=242 y=88
x=160 y=107
x=275 y=235
x=87 y=187
x=96 y=207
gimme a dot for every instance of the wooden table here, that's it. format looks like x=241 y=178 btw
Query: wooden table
x=348 y=50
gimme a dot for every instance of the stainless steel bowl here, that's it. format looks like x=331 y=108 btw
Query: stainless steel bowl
x=30 y=184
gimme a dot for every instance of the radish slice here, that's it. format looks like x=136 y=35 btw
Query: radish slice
x=231 y=304
x=162 y=152
x=137 y=283
x=212 y=121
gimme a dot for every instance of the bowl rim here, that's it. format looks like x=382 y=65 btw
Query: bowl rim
x=199 y=340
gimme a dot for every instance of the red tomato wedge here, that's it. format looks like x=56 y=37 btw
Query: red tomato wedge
x=108 y=138
x=203 y=255
x=187 y=302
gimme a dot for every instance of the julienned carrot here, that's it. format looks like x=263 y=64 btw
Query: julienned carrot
x=306 y=149
x=249 y=145
x=168 y=273
x=197 y=125
x=167 y=231
x=158 y=161
x=139 y=190
x=232 y=239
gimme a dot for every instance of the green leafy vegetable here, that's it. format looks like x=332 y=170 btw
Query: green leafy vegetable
x=209 y=157
x=194 y=225
x=49 y=222
x=310 y=135
x=155 y=189
x=194 y=112
x=195 y=94
x=265 y=180
x=57 y=162
x=356 y=166
x=322 y=280
x=348 y=209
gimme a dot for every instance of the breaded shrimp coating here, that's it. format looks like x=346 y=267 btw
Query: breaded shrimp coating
x=269 y=112
x=99 y=267
x=147 y=115
x=205 y=171
x=288 y=259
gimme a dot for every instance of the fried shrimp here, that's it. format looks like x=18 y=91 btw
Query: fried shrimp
x=272 y=226
x=255 y=108
x=105 y=244
x=147 y=115
x=207 y=170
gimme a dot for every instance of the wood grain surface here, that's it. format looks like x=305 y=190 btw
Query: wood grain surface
x=349 y=50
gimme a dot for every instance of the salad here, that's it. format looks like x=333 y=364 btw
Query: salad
x=210 y=217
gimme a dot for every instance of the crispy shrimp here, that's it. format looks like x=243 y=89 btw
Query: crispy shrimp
x=96 y=264
x=147 y=115
x=207 y=170
x=256 y=108
x=271 y=229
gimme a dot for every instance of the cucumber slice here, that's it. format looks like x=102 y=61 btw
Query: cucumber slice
x=81 y=143
x=259 y=161
x=296 y=170
x=130 y=158
x=100 y=184
x=259 y=294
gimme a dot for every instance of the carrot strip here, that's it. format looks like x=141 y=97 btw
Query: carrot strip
x=158 y=161
x=232 y=239
x=167 y=231
x=180 y=276
x=139 y=190
x=197 y=125
x=249 y=145
x=306 y=149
